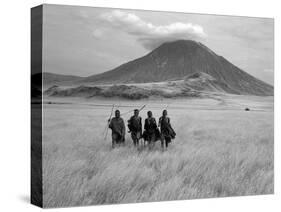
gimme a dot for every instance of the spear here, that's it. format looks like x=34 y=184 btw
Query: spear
x=142 y=107
x=107 y=126
x=139 y=111
x=132 y=110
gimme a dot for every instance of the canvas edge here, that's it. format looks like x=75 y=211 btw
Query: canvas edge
x=36 y=18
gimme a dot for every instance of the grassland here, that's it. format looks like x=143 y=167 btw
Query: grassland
x=220 y=150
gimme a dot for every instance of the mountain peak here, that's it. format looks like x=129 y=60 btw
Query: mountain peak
x=180 y=44
x=181 y=58
x=183 y=48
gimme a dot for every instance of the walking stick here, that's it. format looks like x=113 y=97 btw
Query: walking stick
x=107 y=126
x=141 y=139
x=142 y=108
x=132 y=110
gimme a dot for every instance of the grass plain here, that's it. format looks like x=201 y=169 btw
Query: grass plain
x=220 y=150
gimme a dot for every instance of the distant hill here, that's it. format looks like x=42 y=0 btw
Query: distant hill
x=180 y=59
x=132 y=91
x=195 y=85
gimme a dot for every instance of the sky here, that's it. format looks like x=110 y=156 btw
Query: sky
x=85 y=41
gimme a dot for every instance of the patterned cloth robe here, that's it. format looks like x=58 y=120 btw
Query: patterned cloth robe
x=135 y=127
x=166 y=129
x=151 y=132
x=118 y=129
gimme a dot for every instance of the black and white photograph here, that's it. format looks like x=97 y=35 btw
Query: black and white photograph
x=132 y=106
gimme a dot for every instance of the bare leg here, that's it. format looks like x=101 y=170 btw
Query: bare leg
x=148 y=144
x=168 y=140
x=152 y=141
x=114 y=137
x=162 y=144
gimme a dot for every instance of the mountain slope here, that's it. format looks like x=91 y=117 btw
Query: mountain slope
x=179 y=59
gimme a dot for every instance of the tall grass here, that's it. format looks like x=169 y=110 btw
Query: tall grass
x=216 y=154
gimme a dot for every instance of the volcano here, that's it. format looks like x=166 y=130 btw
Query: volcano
x=179 y=60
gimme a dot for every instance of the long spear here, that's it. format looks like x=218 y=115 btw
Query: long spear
x=107 y=126
x=139 y=111
x=132 y=110
x=142 y=108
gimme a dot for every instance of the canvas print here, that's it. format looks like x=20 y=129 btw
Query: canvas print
x=134 y=106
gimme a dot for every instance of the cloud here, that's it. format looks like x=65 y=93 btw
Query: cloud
x=150 y=35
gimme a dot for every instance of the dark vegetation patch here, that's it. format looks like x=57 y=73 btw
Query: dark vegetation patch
x=122 y=91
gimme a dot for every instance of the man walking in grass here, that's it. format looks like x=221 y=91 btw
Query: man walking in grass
x=151 y=132
x=167 y=132
x=135 y=127
x=117 y=126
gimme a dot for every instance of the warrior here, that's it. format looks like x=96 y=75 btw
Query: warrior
x=151 y=132
x=135 y=127
x=117 y=126
x=167 y=132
